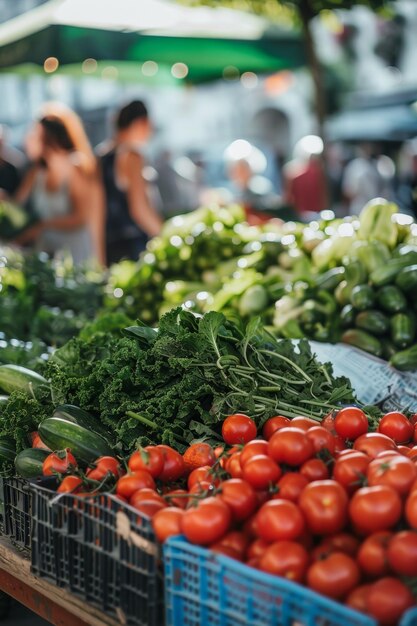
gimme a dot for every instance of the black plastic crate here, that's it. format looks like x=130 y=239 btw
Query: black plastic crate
x=16 y=499
x=102 y=550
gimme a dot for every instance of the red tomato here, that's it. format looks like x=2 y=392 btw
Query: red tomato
x=257 y=548
x=340 y=542
x=350 y=470
x=151 y=459
x=321 y=439
x=339 y=445
x=334 y=576
x=372 y=555
x=279 y=520
x=274 y=424
x=375 y=508
x=388 y=599
x=70 y=484
x=237 y=541
x=290 y=446
x=149 y=507
x=240 y=497
x=38 y=443
x=104 y=466
x=174 y=466
x=314 y=469
x=402 y=553
x=128 y=484
x=350 y=423
x=261 y=471
x=358 y=598
x=198 y=455
x=201 y=474
x=167 y=523
x=253 y=448
x=404 y=450
x=324 y=504
x=238 y=428
x=411 y=509
x=220 y=548
x=59 y=463
x=374 y=443
x=412 y=453
x=202 y=487
x=206 y=523
x=290 y=486
x=146 y=495
x=304 y=423
x=233 y=466
x=396 y=426
x=287 y=559
x=178 y=498
x=397 y=472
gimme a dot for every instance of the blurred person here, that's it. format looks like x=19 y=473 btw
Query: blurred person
x=63 y=188
x=406 y=193
x=369 y=175
x=130 y=217
x=11 y=163
x=304 y=177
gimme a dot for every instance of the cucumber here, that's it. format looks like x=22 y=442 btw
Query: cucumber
x=391 y=299
x=388 y=349
x=362 y=297
x=403 y=330
x=28 y=463
x=7 y=450
x=347 y=316
x=85 y=445
x=363 y=340
x=76 y=415
x=405 y=360
x=372 y=321
x=407 y=278
x=17 y=378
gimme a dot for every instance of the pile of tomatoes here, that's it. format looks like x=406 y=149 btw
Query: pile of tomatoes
x=330 y=506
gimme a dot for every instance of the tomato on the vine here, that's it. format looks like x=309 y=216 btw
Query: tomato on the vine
x=237 y=541
x=146 y=495
x=321 y=439
x=238 y=428
x=340 y=542
x=261 y=471
x=257 y=548
x=388 y=599
x=207 y=522
x=70 y=484
x=128 y=484
x=290 y=446
x=274 y=424
x=59 y=463
x=253 y=448
x=350 y=423
x=324 y=504
x=240 y=497
x=396 y=426
x=334 y=576
x=233 y=465
x=314 y=469
x=167 y=523
x=287 y=559
x=174 y=466
x=375 y=508
x=202 y=474
x=374 y=443
x=177 y=497
x=372 y=555
x=279 y=520
x=397 y=472
x=350 y=469
x=402 y=553
x=358 y=598
x=198 y=455
x=304 y=423
x=150 y=459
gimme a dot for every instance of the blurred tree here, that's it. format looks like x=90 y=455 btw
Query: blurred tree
x=300 y=12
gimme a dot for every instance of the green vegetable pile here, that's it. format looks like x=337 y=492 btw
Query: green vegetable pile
x=178 y=383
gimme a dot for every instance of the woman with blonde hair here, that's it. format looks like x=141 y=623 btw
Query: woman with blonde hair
x=63 y=187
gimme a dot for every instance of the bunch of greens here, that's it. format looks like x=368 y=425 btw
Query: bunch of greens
x=178 y=383
x=21 y=415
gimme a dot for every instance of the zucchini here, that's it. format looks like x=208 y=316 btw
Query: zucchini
x=28 y=463
x=362 y=297
x=391 y=299
x=363 y=340
x=407 y=278
x=403 y=330
x=76 y=415
x=7 y=450
x=405 y=360
x=85 y=445
x=388 y=349
x=372 y=321
x=347 y=316
x=17 y=378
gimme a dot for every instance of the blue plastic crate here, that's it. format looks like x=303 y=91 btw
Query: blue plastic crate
x=206 y=589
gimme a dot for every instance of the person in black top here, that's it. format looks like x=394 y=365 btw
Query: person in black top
x=130 y=218
x=11 y=161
